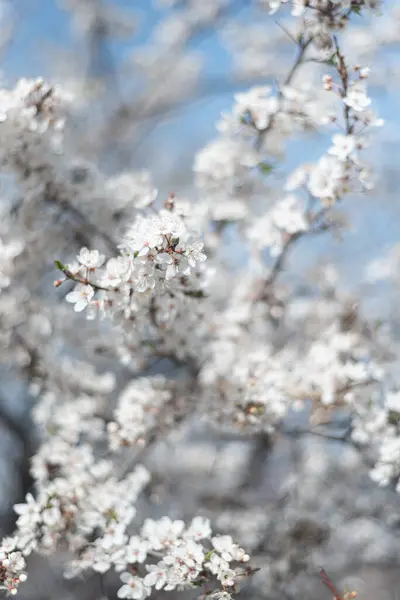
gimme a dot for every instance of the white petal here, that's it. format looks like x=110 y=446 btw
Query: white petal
x=80 y=305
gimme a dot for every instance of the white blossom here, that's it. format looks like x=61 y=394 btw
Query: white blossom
x=356 y=97
x=194 y=284
x=343 y=146
x=134 y=587
x=81 y=296
x=91 y=258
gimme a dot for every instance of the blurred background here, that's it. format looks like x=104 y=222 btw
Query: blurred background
x=173 y=105
x=155 y=78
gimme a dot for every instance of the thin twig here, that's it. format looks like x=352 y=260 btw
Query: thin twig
x=344 y=76
x=322 y=226
x=343 y=437
x=83 y=280
x=303 y=45
x=329 y=584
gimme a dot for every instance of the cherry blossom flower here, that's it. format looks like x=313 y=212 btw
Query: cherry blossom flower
x=134 y=587
x=81 y=296
x=228 y=550
x=157 y=575
x=326 y=178
x=356 y=97
x=91 y=258
x=164 y=299
x=194 y=253
x=199 y=529
x=343 y=146
x=259 y=103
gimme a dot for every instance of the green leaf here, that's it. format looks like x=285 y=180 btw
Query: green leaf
x=393 y=417
x=112 y=515
x=149 y=344
x=222 y=223
x=332 y=60
x=195 y=293
x=265 y=168
x=208 y=555
x=60 y=266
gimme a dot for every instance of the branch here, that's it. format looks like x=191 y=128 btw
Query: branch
x=22 y=431
x=78 y=214
x=344 y=437
x=321 y=227
x=344 y=76
x=134 y=112
x=83 y=280
x=303 y=45
x=293 y=239
x=326 y=581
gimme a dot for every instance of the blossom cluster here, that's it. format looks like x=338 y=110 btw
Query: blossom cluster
x=323 y=16
x=379 y=426
x=86 y=504
x=157 y=255
x=258 y=392
x=9 y=252
x=168 y=291
x=337 y=173
x=189 y=558
x=226 y=163
x=82 y=502
x=273 y=230
x=35 y=105
x=157 y=283
x=341 y=168
x=136 y=413
x=13 y=565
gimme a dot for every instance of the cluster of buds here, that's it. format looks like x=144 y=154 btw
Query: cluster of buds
x=12 y=566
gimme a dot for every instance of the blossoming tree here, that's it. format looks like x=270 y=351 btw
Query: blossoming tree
x=143 y=280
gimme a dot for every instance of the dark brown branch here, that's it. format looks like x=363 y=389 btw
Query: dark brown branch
x=329 y=584
x=344 y=76
x=21 y=428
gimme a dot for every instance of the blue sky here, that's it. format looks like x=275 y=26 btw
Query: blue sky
x=42 y=27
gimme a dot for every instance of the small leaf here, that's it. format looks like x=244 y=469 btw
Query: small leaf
x=221 y=224
x=265 y=168
x=60 y=266
x=112 y=515
x=393 y=417
x=331 y=61
x=208 y=555
x=195 y=293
